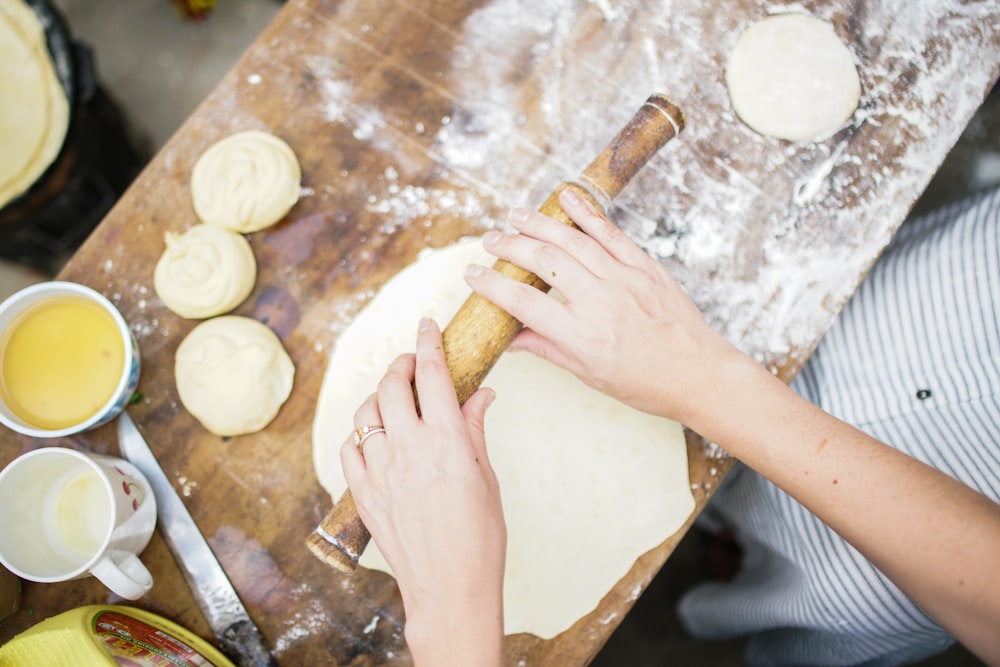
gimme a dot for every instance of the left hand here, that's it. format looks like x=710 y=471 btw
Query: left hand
x=428 y=495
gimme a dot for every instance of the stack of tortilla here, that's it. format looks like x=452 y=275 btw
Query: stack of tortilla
x=34 y=112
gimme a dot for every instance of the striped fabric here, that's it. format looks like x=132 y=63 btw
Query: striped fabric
x=913 y=360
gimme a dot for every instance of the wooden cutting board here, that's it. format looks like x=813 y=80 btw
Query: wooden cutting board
x=417 y=123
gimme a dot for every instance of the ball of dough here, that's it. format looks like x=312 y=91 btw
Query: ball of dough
x=233 y=375
x=204 y=272
x=790 y=77
x=245 y=182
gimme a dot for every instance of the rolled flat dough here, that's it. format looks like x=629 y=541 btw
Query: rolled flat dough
x=588 y=484
x=790 y=77
x=245 y=182
x=204 y=272
x=34 y=113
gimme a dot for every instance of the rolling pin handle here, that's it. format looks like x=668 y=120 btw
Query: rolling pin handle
x=342 y=537
x=656 y=122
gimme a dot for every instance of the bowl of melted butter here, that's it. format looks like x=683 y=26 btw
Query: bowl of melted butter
x=68 y=360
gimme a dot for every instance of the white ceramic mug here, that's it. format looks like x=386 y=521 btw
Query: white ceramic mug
x=67 y=515
x=67 y=363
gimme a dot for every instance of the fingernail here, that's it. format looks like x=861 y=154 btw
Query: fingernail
x=572 y=197
x=519 y=214
x=425 y=324
x=490 y=238
x=473 y=271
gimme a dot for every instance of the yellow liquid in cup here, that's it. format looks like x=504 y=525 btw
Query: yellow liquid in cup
x=60 y=362
x=82 y=514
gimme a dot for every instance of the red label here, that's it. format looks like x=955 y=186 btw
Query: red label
x=133 y=643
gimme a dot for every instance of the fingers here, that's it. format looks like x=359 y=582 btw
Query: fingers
x=393 y=407
x=556 y=252
x=438 y=401
x=528 y=340
x=597 y=226
x=574 y=261
x=395 y=395
x=530 y=306
x=474 y=411
x=598 y=246
x=352 y=459
x=433 y=380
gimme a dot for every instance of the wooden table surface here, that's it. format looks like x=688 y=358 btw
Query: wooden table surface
x=420 y=122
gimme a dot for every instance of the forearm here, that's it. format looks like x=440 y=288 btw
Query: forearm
x=933 y=536
x=471 y=638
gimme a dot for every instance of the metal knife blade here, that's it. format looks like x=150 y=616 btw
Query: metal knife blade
x=238 y=636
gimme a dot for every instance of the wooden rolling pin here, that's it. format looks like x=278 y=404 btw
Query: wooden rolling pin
x=480 y=331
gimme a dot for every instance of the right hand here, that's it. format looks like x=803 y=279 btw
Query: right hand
x=626 y=328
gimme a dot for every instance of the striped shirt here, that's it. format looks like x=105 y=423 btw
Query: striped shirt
x=913 y=360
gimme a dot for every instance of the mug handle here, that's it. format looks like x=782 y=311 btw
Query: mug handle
x=126 y=577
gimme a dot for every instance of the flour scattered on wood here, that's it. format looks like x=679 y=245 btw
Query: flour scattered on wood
x=314 y=619
x=404 y=205
x=769 y=238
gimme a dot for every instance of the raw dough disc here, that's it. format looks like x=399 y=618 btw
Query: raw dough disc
x=789 y=76
x=245 y=182
x=204 y=272
x=34 y=113
x=232 y=374
x=588 y=484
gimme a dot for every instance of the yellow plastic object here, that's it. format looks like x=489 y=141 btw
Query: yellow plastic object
x=112 y=636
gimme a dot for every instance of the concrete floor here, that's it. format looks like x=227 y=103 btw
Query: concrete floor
x=158 y=68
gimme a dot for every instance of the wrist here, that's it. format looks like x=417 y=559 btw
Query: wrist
x=446 y=637
x=734 y=396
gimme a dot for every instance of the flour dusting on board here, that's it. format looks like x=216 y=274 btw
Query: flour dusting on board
x=311 y=620
x=404 y=204
x=769 y=238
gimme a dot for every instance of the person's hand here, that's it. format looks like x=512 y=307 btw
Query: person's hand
x=428 y=495
x=626 y=328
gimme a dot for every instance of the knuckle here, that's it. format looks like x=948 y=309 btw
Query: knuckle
x=576 y=244
x=523 y=302
x=612 y=234
x=430 y=366
x=392 y=376
x=546 y=256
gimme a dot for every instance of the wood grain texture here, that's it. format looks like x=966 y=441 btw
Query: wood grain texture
x=418 y=123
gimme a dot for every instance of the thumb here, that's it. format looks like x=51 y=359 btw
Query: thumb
x=534 y=343
x=474 y=409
